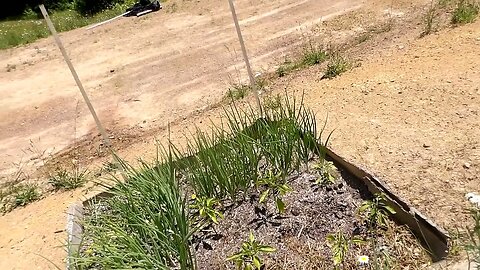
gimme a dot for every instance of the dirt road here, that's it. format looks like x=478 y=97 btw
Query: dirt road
x=149 y=71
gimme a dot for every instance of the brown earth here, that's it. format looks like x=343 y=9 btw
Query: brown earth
x=408 y=111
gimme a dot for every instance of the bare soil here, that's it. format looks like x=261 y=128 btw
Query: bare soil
x=408 y=110
x=299 y=235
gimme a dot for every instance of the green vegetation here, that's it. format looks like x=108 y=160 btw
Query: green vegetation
x=328 y=172
x=205 y=208
x=25 y=194
x=17 y=194
x=66 y=180
x=473 y=244
x=31 y=27
x=148 y=223
x=273 y=185
x=312 y=55
x=429 y=19
x=376 y=211
x=336 y=66
x=237 y=91
x=248 y=258
x=340 y=244
x=465 y=12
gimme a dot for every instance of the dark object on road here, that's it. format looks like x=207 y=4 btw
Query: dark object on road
x=143 y=7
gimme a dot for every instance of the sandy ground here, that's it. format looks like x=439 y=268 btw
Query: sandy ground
x=408 y=112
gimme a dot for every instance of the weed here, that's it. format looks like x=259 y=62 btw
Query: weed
x=473 y=233
x=205 y=208
x=429 y=19
x=465 y=12
x=376 y=211
x=66 y=180
x=313 y=56
x=273 y=185
x=272 y=102
x=25 y=194
x=238 y=91
x=248 y=258
x=336 y=66
x=328 y=172
x=340 y=244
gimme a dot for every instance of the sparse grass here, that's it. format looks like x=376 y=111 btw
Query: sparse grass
x=429 y=20
x=237 y=91
x=63 y=179
x=336 y=66
x=30 y=28
x=311 y=55
x=13 y=195
x=465 y=12
x=25 y=194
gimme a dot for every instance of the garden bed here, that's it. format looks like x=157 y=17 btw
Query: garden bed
x=267 y=182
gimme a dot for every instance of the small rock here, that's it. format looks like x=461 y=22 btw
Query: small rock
x=401 y=47
x=466 y=165
x=426 y=145
x=112 y=70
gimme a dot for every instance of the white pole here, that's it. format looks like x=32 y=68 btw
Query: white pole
x=75 y=76
x=245 y=55
x=107 y=21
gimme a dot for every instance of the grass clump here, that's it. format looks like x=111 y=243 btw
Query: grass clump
x=13 y=195
x=465 y=12
x=25 y=194
x=336 y=66
x=429 y=20
x=311 y=56
x=63 y=179
x=147 y=225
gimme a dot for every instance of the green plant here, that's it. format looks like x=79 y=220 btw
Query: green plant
x=336 y=66
x=272 y=102
x=205 y=208
x=473 y=243
x=237 y=91
x=327 y=171
x=465 y=12
x=340 y=244
x=248 y=258
x=376 y=211
x=273 y=185
x=312 y=55
x=66 y=180
x=147 y=224
x=25 y=194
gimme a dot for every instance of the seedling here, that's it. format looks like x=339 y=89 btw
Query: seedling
x=340 y=244
x=327 y=172
x=376 y=211
x=273 y=185
x=248 y=258
x=205 y=208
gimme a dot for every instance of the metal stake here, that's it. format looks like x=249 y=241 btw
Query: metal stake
x=245 y=55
